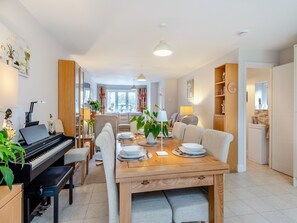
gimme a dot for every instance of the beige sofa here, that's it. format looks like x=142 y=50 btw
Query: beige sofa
x=124 y=120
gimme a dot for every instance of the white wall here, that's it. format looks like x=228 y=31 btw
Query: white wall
x=286 y=56
x=45 y=52
x=154 y=95
x=203 y=102
x=170 y=96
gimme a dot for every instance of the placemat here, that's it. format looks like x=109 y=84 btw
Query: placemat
x=177 y=152
x=143 y=158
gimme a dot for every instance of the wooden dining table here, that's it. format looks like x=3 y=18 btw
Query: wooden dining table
x=169 y=172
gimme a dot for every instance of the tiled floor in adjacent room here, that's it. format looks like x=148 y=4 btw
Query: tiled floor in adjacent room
x=260 y=195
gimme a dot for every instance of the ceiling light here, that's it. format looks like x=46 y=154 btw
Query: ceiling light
x=141 y=77
x=162 y=49
x=133 y=87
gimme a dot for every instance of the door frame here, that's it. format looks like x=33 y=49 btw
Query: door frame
x=242 y=125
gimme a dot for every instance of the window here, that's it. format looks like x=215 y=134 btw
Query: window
x=121 y=101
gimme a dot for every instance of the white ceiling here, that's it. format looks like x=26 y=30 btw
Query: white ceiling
x=114 y=39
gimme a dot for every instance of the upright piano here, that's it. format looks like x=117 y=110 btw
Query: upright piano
x=42 y=151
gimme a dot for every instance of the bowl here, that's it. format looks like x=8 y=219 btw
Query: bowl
x=132 y=150
x=126 y=134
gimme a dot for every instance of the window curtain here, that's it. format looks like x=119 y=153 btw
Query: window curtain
x=102 y=98
x=141 y=95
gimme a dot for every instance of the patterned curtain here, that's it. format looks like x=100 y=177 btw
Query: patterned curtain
x=102 y=98
x=141 y=94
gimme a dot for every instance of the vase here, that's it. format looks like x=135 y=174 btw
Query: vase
x=150 y=139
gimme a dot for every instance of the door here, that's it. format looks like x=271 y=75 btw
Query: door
x=282 y=114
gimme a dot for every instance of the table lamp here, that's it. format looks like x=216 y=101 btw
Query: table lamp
x=8 y=94
x=186 y=110
x=162 y=117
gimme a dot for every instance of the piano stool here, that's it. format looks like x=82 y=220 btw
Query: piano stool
x=49 y=184
x=79 y=155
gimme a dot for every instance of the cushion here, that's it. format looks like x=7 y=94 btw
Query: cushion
x=76 y=155
x=151 y=207
x=188 y=205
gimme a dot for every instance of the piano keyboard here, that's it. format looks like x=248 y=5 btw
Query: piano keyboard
x=43 y=157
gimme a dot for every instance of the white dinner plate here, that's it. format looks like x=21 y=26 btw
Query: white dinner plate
x=126 y=156
x=193 y=147
x=126 y=135
x=199 y=152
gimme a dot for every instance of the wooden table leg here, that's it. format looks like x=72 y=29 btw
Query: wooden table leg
x=216 y=200
x=125 y=202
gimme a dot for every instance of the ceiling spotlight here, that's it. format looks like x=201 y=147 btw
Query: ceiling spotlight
x=162 y=49
x=243 y=33
x=141 y=77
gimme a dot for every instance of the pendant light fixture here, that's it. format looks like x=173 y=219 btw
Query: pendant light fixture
x=133 y=86
x=141 y=77
x=162 y=49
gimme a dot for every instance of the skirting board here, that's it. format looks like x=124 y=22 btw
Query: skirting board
x=241 y=168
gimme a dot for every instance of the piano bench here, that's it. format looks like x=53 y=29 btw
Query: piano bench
x=79 y=155
x=49 y=184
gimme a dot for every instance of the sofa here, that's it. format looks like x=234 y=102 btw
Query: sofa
x=187 y=119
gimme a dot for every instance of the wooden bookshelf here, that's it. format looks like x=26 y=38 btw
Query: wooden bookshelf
x=226 y=92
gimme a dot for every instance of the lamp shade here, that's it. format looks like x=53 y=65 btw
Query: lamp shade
x=86 y=113
x=9 y=85
x=162 y=116
x=186 y=110
x=141 y=77
x=162 y=49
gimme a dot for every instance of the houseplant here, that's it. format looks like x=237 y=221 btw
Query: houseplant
x=94 y=105
x=151 y=126
x=8 y=151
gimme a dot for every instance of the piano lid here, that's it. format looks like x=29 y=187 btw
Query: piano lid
x=34 y=133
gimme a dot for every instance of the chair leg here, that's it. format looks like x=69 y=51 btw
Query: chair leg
x=87 y=169
x=82 y=172
x=56 y=206
x=71 y=189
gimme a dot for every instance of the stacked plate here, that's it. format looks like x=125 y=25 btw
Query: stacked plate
x=192 y=149
x=132 y=152
x=170 y=135
x=126 y=135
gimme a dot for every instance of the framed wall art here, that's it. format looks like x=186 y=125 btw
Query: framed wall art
x=190 y=89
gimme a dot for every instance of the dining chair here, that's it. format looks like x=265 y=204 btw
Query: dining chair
x=133 y=127
x=191 y=204
x=150 y=207
x=108 y=129
x=178 y=130
x=193 y=134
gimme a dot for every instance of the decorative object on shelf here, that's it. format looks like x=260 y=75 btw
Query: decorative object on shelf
x=223 y=76
x=190 y=89
x=232 y=88
x=7 y=124
x=151 y=126
x=51 y=126
x=28 y=115
x=141 y=77
x=223 y=107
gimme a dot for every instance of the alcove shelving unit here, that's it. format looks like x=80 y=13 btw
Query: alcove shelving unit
x=226 y=107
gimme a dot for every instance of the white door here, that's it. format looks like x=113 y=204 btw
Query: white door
x=282 y=114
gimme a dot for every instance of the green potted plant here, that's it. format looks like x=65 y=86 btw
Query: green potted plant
x=8 y=151
x=94 y=105
x=151 y=126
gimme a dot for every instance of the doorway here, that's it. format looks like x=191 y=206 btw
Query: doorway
x=258 y=110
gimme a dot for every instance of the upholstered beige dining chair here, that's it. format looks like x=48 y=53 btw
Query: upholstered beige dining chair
x=178 y=130
x=146 y=207
x=193 y=134
x=191 y=204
